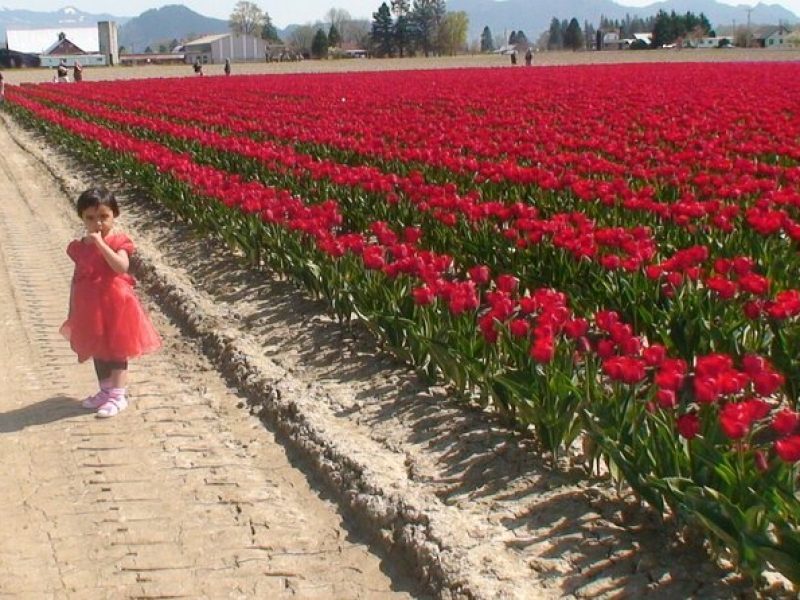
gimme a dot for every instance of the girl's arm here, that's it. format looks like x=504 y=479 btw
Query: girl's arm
x=118 y=261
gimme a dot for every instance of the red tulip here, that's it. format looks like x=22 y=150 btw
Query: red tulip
x=479 y=274
x=424 y=295
x=667 y=398
x=688 y=425
x=542 y=350
x=788 y=448
x=519 y=328
x=785 y=422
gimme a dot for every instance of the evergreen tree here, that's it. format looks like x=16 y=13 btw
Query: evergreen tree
x=555 y=41
x=425 y=19
x=638 y=26
x=334 y=39
x=268 y=32
x=382 y=33
x=522 y=39
x=573 y=38
x=588 y=34
x=487 y=43
x=402 y=33
x=512 y=38
x=663 y=32
x=319 y=45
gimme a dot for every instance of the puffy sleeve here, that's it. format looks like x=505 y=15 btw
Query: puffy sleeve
x=72 y=250
x=123 y=242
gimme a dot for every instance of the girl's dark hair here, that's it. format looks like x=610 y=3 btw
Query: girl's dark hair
x=94 y=197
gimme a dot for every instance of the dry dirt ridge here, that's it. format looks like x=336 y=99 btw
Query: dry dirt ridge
x=467 y=501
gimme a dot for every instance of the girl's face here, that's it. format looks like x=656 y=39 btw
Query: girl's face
x=98 y=219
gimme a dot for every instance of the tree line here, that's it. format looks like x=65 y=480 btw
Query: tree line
x=402 y=28
x=398 y=28
x=312 y=40
x=568 y=34
x=411 y=27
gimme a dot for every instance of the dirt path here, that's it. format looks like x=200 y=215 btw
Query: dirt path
x=183 y=495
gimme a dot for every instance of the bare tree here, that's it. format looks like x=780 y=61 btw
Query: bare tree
x=301 y=37
x=356 y=32
x=337 y=16
x=246 y=19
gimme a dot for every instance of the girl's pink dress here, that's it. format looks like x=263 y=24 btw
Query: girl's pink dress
x=105 y=319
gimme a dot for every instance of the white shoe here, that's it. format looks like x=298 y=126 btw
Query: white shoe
x=112 y=407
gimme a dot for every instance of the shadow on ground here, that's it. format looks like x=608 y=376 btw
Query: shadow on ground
x=42 y=412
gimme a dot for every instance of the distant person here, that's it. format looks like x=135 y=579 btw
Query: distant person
x=198 y=67
x=61 y=72
x=514 y=57
x=227 y=68
x=2 y=89
x=528 y=57
x=77 y=72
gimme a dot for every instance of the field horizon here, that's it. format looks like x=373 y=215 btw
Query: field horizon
x=542 y=59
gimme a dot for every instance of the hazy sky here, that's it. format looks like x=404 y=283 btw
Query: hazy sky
x=283 y=13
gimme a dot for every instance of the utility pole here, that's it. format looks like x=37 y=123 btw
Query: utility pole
x=749 y=35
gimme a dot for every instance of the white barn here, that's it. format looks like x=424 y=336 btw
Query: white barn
x=216 y=48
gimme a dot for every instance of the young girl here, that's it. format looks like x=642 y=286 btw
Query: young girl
x=106 y=321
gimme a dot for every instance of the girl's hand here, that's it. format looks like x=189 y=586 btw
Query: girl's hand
x=95 y=238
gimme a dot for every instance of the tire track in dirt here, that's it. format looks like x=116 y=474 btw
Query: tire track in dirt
x=183 y=495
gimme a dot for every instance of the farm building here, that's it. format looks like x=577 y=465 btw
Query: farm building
x=609 y=40
x=10 y=59
x=215 y=49
x=89 y=45
x=709 y=42
x=776 y=38
x=168 y=58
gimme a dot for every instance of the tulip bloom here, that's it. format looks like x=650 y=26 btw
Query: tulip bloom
x=789 y=449
x=785 y=422
x=688 y=425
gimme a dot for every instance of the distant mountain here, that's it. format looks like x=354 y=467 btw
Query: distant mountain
x=65 y=17
x=162 y=25
x=533 y=17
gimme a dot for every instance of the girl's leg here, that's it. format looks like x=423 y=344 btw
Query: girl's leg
x=102 y=368
x=117 y=402
x=119 y=374
x=103 y=371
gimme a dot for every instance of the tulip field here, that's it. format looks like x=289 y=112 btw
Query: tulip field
x=606 y=256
